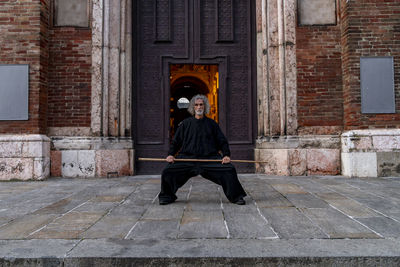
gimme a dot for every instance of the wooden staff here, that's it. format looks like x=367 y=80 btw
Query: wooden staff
x=202 y=160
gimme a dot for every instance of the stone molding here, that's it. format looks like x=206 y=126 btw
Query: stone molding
x=377 y=140
x=91 y=143
x=24 y=157
x=299 y=142
x=68 y=131
x=371 y=153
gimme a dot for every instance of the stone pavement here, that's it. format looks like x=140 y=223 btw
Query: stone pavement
x=290 y=221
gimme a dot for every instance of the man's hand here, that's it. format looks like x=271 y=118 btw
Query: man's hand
x=226 y=160
x=170 y=159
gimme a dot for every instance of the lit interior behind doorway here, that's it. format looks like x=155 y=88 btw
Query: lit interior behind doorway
x=188 y=80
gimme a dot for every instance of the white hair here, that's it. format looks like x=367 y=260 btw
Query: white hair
x=205 y=101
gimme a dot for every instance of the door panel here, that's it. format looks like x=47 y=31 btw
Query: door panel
x=216 y=32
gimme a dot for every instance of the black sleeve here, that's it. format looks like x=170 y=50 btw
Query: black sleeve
x=222 y=142
x=176 y=143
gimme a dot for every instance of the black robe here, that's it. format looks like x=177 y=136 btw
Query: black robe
x=201 y=139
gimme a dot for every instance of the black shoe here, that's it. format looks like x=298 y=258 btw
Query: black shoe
x=165 y=202
x=240 y=201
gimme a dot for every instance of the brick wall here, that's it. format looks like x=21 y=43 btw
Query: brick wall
x=319 y=79
x=70 y=77
x=21 y=42
x=369 y=28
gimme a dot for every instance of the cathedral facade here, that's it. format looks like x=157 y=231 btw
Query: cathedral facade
x=310 y=87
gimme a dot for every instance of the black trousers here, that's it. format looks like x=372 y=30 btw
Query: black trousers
x=175 y=175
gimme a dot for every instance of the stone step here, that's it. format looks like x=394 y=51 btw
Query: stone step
x=200 y=252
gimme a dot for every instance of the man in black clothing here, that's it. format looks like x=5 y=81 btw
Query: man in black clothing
x=200 y=137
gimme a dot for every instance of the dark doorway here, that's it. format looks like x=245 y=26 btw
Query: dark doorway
x=183 y=91
x=196 y=34
x=186 y=81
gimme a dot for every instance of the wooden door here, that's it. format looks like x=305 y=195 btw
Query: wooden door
x=218 y=32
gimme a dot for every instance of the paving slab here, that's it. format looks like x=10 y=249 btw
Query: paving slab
x=64 y=205
x=306 y=200
x=311 y=185
x=395 y=216
x=287 y=221
x=348 y=206
x=379 y=204
x=288 y=189
x=112 y=226
x=385 y=226
x=157 y=212
x=290 y=223
x=379 y=187
x=96 y=207
x=338 y=225
x=68 y=226
x=202 y=224
x=244 y=222
x=23 y=227
x=158 y=229
x=270 y=199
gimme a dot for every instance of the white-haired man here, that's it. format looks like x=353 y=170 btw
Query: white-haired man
x=200 y=137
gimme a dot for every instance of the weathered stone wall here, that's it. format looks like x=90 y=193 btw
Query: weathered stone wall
x=24 y=157
x=371 y=153
x=91 y=156
x=369 y=28
x=299 y=155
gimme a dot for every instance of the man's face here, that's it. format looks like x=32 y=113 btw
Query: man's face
x=199 y=107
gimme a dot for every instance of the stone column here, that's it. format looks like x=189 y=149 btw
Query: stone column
x=97 y=66
x=277 y=96
x=112 y=59
x=290 y=66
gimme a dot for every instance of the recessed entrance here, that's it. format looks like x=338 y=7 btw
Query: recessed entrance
x=186 y=47
x=186 y=81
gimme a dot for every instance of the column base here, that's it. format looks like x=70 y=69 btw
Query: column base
x=24 y=157
x=371 y=153
x=298 y=155
x=92 y=157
